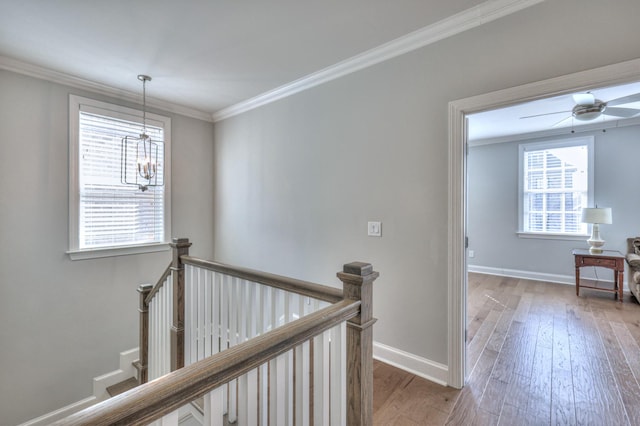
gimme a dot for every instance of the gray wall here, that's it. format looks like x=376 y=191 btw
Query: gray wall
x=493 y=204
x=298 y=179
x=64 y=322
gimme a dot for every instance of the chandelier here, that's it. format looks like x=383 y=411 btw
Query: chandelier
x=139 y=154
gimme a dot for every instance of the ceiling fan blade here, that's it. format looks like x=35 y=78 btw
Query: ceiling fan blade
x=546 y=113
x=624 y=100
x=584 y=98
x=562 y=121
x=621 y=112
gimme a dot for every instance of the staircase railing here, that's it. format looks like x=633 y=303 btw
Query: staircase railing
x=258 y=348
x=155 y=327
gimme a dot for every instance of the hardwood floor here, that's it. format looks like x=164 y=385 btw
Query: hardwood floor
x=537 y=355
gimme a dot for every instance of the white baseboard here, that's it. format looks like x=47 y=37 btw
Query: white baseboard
x=100 y=385
x=527 y=275
x=126 y=370
x=422 y=367
x=540 y=276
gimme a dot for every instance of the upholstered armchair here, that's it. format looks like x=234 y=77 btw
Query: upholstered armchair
x=633 y=260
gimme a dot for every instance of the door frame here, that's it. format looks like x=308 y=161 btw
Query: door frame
x=624 y=72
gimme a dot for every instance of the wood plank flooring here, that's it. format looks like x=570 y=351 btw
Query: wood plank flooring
x=537 y=355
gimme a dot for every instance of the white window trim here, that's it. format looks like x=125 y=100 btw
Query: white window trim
x=556 y=143
x=74 y=252
x=553 y=236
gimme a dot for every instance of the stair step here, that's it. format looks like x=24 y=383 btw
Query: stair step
x=123 y=386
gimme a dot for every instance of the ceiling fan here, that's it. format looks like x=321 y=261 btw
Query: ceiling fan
x=587 y=108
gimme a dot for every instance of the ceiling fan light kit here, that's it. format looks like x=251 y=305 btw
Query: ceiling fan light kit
x=590 y=111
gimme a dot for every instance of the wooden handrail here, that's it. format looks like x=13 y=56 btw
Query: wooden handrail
x=305 y=288
x=152 y=400
x=158 y=285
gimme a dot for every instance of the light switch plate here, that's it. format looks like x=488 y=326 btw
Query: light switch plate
x=374 y=229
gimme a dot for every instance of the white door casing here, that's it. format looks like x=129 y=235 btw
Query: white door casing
x=624 y=72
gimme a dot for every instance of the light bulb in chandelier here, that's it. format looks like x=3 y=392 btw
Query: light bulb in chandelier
x=147 y=157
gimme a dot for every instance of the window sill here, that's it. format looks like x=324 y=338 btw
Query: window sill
x=82 y=254
x=549 y=236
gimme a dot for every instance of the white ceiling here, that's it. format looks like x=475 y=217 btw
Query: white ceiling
x=205 y=54
x=553 y=116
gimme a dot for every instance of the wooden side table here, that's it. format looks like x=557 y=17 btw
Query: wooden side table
x=606 y=259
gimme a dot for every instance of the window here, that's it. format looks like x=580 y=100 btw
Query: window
x=107 y=217
x=556 y=182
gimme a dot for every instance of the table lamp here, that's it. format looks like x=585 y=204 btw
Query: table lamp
x=596 y=216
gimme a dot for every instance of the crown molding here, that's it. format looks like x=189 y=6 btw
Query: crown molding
x=455 y=24
x=481 y=14
x=14 y=65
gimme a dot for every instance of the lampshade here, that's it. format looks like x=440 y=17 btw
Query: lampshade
x=596 y=215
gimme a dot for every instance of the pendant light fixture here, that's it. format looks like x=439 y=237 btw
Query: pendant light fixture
x=139 y=154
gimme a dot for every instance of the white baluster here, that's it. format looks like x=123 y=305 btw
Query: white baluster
x=152 y=340
x=252 y=311
x=171 y=419
x=216 y=312
x=224 y=311
x=265 y=314
x=167 y=333
x=214 y=408
x=208 y=288
x=160 y=306
x=233 y=340
x=277 y=400
x=199 y=314
x=247 y=398
x=224 y=329
x=321 y=379
x=286 y=308
x=188 y=314
x=289 y=308
x=243 y=308
x=165 y=324
x=157 y=333
x=166 y=346
x=302 y=410
x=273 y=309
x=338 y=373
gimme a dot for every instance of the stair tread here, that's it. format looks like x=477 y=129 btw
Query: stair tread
x=123 y=386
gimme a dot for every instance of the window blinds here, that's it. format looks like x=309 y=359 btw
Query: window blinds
x=556 y=189
x=111 y=213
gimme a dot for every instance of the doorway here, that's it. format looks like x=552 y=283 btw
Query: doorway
x=458 y=110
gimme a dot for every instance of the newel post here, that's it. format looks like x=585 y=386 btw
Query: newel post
x=180 y=247
x=357 y=279
x=143 y=362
